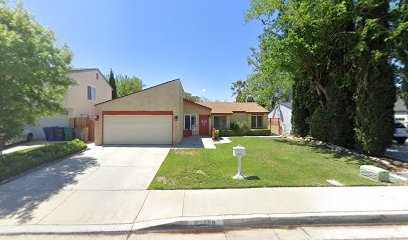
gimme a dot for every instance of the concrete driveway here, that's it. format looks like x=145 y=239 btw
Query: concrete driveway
x=104 y=184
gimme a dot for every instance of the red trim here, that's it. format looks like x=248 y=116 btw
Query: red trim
x=172 y=128
x=137 y=113
x=194 y=103
x=140 y=113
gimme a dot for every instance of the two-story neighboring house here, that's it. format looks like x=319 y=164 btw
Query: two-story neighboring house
x=91 y=88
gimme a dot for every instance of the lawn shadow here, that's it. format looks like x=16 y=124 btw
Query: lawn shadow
x=20 y=198
x=252 y=178
x=349 y=158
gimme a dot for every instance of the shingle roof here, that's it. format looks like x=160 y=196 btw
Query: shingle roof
x=230 y=107
x=399 y=106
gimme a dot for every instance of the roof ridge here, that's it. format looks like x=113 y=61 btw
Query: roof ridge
x=177 y=79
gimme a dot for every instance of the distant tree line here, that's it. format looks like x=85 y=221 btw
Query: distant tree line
x=339 y=61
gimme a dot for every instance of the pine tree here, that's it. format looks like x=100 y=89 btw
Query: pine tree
x=112 y=82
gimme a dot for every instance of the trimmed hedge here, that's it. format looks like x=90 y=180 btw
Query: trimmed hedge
x=250 y=132
x=18 y=162
x=227 y=133
x=259 y=132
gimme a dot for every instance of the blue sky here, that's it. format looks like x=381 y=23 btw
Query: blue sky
x=204 y=43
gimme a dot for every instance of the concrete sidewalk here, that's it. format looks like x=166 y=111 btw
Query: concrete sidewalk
x=144 y=210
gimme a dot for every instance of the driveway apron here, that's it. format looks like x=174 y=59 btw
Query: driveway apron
x=99 y=186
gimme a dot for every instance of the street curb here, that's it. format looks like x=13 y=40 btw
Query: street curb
x=219 y=223
x=278 y=220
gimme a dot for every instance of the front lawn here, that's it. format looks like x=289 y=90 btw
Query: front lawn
x=269 y=163
x=18 y=162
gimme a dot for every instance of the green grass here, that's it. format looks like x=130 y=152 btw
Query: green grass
x=269 y=163
x=21 y=161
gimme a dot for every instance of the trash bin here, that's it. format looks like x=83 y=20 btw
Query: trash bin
x=58 y=133
x=48 y=133
x=69 y=134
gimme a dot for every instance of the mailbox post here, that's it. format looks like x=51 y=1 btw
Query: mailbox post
x=239 y=152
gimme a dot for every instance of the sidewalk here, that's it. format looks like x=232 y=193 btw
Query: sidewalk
x=225 y=208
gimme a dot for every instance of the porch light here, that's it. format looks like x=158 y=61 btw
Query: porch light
x=96 y=118
x=175 y=118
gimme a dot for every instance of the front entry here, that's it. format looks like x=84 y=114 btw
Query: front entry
x=204 y=125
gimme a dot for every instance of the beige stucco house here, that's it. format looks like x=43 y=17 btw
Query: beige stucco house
x=91 y=88
x=162 y=115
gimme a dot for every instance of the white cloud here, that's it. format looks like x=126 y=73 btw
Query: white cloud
x=203 y=90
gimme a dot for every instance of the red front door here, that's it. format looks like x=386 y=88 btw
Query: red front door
x=204 y=125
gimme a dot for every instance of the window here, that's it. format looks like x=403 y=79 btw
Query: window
x=190 y=122
x=97 y=76
x=91 y=93
x=220 y=122
x=256 y=122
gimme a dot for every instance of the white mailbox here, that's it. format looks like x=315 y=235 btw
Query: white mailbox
x=239 y=151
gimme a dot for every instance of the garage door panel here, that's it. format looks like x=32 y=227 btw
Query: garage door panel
x=139 y=129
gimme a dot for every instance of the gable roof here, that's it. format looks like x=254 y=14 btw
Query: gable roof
x=146 y=89
x=197 y=104
x=230 y=107
x=399 y=106
x=78 y=70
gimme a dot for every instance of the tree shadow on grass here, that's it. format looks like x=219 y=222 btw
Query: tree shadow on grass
x=20 y=198
x=349 y=158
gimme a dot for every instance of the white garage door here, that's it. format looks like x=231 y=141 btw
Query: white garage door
x=137 y=129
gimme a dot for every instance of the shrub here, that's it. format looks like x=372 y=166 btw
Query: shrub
x=18 y=162
x=259 y=132
x=240 y=128
x=227 y=133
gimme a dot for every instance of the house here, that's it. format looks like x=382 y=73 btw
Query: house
x=223 y=114
x=280 y=118
x=162 y=115
x=400 y=112
x=79 y=101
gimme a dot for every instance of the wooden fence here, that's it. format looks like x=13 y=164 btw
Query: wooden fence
x=274 y=125
x=84 y=128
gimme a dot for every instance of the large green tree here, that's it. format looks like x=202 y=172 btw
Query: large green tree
x=307 y=41
x=32 y=71
x=324 y=49
x=375 y=95
x=126 y=85
x=240 y=92
x=399 y=38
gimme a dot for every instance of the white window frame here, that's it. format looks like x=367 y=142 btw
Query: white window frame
x=192 y=127
x=93 y=93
